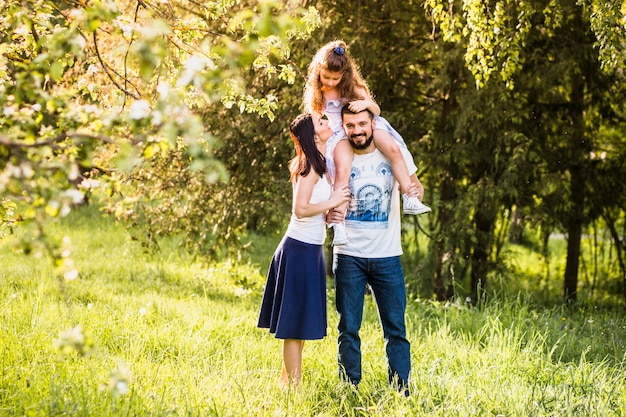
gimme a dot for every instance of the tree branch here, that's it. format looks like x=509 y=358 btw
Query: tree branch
x=54 y=142
x=108 y=71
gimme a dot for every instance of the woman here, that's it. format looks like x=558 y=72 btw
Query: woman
x=294 y=301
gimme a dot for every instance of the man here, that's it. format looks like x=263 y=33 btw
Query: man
x=372 y=255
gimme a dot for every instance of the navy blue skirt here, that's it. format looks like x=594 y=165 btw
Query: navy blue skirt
x=294 y=300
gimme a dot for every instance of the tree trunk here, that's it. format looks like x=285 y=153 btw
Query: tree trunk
x=574 y=233
x=484 y=223
x=619 y=249
x=443 y=286
x=577 y=187
x=516 y=232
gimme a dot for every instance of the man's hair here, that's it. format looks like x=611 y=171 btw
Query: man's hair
x=346 y=110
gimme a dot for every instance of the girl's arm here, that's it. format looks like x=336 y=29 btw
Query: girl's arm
x=366 y=103
x=303 y=189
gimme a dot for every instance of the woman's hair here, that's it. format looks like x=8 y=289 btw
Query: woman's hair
x=307 y=155
x=333 y=57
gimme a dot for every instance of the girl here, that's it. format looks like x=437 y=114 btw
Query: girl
x=294 y=301
x=333 y=81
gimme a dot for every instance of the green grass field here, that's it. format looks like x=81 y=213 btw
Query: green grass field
x=140 y=334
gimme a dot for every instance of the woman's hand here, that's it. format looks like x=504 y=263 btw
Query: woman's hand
x=340 y=196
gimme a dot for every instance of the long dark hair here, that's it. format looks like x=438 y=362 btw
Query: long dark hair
x=307 y=155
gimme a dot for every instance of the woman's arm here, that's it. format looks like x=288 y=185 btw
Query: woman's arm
x=303 y=190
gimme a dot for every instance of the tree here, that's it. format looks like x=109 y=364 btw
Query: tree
x=501 y=41
x=95 y=93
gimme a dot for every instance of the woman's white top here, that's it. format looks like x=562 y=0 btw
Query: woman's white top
x=311 y=229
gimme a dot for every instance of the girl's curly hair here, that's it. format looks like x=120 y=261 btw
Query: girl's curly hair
x=333 y=57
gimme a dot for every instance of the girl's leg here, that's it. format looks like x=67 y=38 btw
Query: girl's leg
x=292 y=362
x=419 y=188
x=410 y=186
x=343 y=155
x=388 y=146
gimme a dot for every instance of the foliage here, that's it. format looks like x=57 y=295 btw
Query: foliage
x=497 y=31
x=544 y=132
x=7 y=217
x=104 y=90
x=608 y=22
x=172 y=199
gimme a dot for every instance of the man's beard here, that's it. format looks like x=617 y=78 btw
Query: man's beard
x=364 y=145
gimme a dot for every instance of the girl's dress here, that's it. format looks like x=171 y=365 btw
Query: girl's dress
x=333 y=112
x=294 y=299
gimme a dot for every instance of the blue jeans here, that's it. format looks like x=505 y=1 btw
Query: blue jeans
x=386 y=280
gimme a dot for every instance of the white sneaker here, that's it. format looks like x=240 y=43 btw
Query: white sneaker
x=341 y=237
x=412 y=205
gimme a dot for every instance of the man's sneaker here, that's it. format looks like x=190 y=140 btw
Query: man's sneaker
x=412 y=205
x=341 y=237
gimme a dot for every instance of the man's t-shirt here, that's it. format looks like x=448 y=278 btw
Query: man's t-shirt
x=373 y=216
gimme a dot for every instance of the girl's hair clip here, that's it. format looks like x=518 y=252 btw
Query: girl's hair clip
x=339 y=50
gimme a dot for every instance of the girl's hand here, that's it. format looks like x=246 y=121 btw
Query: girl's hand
x=358 y=106
x=340 y=196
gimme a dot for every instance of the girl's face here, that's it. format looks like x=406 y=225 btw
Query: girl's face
x=330 y=79
x=322 y=128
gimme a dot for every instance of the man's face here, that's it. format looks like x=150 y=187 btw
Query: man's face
x=359 y=129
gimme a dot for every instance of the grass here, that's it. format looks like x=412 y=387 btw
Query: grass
x=140 y=334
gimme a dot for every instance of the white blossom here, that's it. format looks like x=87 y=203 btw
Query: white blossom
x=157 y=118
x=140 y=109
x=92 y=69
x=21 y=30
x=26 y=170
x=75 y=196
x=71 y=275
x=79 y=41
x=9 y=110
x=163 y=90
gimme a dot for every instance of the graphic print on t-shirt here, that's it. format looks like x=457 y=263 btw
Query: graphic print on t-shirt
x=370 y=189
